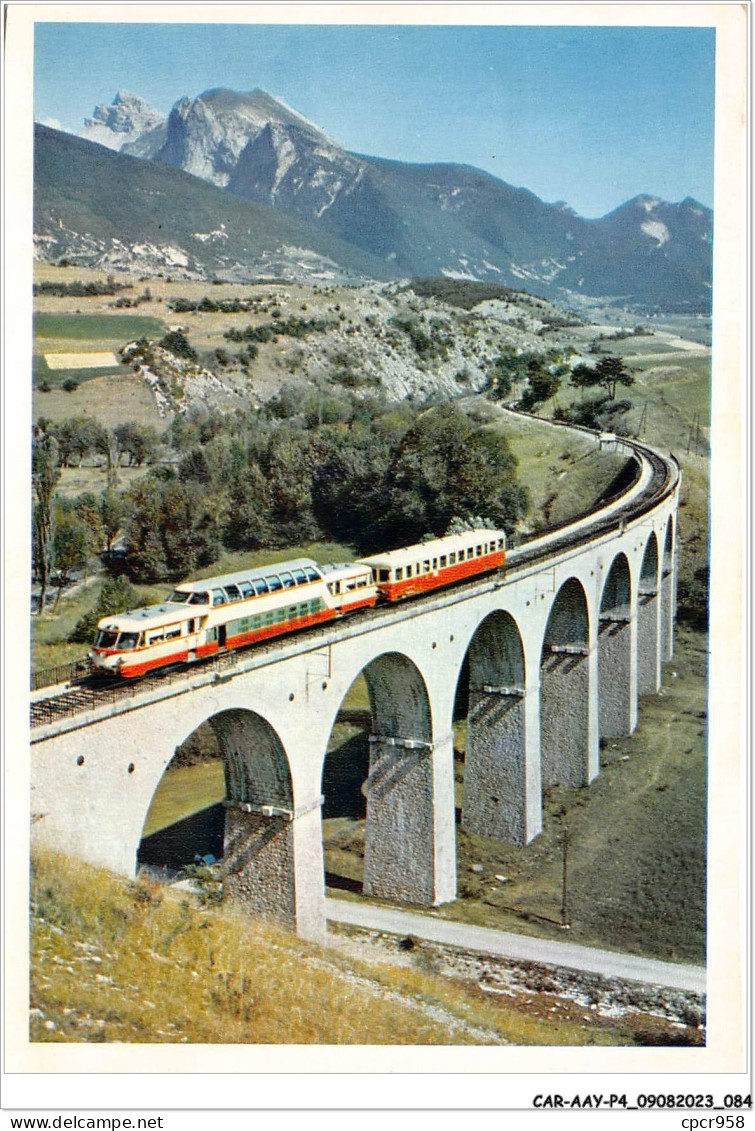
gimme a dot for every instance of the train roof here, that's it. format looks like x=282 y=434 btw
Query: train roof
x=247 y=575
x=136 y=620
x=447 y=545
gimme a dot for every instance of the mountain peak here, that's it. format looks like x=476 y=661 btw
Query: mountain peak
x=124 y=121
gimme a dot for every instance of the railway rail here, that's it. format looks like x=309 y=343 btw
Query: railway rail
x=657 y=477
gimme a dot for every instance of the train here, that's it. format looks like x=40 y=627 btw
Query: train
x=209 y=617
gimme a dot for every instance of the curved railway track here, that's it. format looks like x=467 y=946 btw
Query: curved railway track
x=657 y=477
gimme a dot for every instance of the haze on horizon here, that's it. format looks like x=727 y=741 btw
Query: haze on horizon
x=592 y=116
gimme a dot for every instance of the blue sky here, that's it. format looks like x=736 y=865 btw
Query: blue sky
x=592 y=116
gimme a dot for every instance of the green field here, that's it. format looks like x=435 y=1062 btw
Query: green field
x=96 y=327
x=56 y=378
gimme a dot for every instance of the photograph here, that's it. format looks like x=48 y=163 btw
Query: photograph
x=381 y=382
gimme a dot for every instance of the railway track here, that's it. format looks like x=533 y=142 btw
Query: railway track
x=657 y=477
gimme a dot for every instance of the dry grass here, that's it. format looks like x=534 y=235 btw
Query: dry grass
x=110 y=400
x=114 y=960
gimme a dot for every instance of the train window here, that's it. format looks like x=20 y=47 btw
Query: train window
x=247 y=590
x=106 y=639
x=435 y=563
x=500 y=543
x=299 y=576
x=274 y=583
x=288 y=580
x=232 y=592
x=218 y=597
x=443 y=562
x=199 y=599
x=178 y=597
x=260 y=586
x=172 y=633
x=312 y=574
x=399 y=574
x=361 y=583
x=452 y=559
x=127 y=641
x=479 y=551
x=154 y=637
x=384 y=574
x=303 y=609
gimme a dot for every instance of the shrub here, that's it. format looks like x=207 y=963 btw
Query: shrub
x=117 y=595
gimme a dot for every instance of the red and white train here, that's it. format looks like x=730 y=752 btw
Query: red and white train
x=204 y=618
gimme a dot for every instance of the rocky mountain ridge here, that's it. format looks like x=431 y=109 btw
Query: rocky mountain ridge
x=440 y=219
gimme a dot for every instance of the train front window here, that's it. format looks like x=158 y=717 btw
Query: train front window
x=106 y=639
x=179 y=597
x=199 y=599
x=127 y=641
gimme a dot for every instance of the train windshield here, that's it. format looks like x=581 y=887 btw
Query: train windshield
x=106 y=639
x=127 y=641
x=179 y=597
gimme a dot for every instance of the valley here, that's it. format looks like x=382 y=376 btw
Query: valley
x=329 y=360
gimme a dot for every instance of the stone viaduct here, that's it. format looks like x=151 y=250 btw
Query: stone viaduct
x=560 y=646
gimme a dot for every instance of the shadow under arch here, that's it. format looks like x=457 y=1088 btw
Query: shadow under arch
x=257 y=814
x=495 y=773
x=399 y=787
x=648 y=626
x=565 y=690
x=668 y=590
x=617 y=693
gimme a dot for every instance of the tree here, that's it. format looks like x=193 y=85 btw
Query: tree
x=611 y=372
x=45 y=475
x=541 y=385
x=608 y=373
x=73 y=544
x=178 y=344
x=111 y=513
x=444 y=469
x=116 y=596
x=138 y=441
x=78 y=437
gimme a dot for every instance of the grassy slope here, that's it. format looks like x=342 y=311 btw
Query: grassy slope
x=130 y=962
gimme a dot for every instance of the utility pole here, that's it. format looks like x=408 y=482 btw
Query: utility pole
x=643 y=419
x=565 y=924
